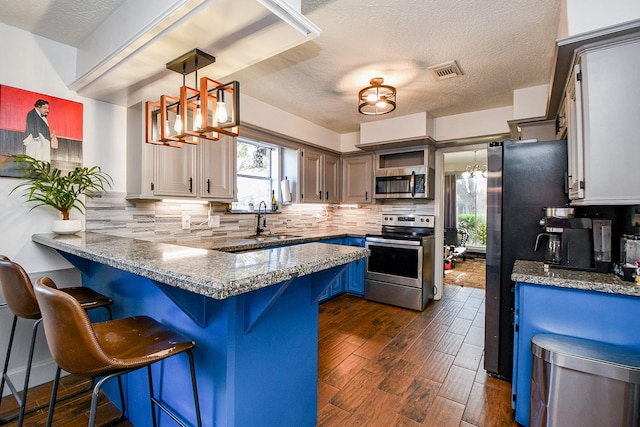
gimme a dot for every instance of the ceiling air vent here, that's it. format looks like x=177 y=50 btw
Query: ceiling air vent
x=446 y=70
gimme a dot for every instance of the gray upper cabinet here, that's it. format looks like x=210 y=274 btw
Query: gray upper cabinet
x=320 y=177
x=602 y=105
x=206 y=170
x=357 y=179
x=217 y=172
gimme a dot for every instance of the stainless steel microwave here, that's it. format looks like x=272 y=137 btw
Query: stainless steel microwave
x=405 y=183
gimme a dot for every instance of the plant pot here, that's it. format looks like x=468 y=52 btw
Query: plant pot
x=66 y=226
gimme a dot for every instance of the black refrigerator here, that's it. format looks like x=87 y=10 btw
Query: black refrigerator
x=523 y=178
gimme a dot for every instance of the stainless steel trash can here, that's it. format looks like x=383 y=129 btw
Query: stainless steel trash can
x=579 y=382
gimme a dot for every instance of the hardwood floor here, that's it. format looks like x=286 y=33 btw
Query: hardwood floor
x=69 y=413
x=385 y=366
x=470 y=272
x=379 y=365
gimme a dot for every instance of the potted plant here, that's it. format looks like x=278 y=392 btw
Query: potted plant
x=47 y=185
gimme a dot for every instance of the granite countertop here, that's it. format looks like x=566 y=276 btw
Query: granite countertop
x=533 y=272
x=211 y=273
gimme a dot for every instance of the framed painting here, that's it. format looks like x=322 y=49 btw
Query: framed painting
x=41 y=126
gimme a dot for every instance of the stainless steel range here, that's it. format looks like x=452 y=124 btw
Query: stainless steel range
x=400 y=269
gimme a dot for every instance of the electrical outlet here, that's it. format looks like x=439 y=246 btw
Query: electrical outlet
x=214 y=221
x=186 y=222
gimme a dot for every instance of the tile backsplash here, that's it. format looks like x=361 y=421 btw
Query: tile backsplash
x=162 y=221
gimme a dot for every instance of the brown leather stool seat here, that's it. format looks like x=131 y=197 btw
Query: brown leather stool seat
x=107 y=349
x=21 y=300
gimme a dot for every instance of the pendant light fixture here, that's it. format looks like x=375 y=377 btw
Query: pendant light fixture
x=377 y=99
x=193 y=116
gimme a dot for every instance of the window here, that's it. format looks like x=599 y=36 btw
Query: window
x=471 y=208
x=257 y=172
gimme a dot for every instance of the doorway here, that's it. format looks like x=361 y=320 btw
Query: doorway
x=465 y=216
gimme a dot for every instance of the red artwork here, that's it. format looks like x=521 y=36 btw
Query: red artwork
x=42 y=126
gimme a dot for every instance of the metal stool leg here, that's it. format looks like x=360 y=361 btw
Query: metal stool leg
x=156 y=402
x=22 y=401
x=52 y=401
x=196 y=401
x=95 y=395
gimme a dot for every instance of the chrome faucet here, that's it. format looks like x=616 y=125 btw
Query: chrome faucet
x=264 y=217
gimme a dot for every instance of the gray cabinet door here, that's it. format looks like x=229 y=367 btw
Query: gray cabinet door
x=218 y=169
x=174 y=171
x=331 y=166
x=357 y=175
x=311 y=189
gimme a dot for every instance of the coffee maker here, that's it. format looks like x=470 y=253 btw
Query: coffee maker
x=553 y=224
x=576 y=243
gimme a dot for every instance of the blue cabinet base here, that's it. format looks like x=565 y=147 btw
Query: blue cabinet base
x=599 y=316
x=256 y=354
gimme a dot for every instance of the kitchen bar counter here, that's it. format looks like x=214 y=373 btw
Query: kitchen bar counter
x=253 y=316
x=210 y=273
x=533 y=272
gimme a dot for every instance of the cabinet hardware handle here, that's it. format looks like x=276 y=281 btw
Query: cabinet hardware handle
x=190 y=185
x=327 y=196
x=366 y=195
x=208 y=186
x=152 y=186
x=320 y=195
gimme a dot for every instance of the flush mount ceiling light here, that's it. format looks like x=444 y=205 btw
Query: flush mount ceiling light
x=198 y=113
x=377 y=99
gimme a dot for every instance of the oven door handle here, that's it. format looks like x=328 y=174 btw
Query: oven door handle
x=383 y=241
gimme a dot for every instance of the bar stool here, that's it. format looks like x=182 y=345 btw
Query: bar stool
x=107 y=349
x=21 y=300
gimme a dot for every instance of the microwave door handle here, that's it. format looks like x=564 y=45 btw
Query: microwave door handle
x=412 y=184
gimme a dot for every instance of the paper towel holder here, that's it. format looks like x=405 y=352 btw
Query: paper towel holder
x=285 y=188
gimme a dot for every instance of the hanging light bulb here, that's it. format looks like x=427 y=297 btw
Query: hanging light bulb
x=221 y=109
x=197 y=121
x=177 y=126
x=167 y=129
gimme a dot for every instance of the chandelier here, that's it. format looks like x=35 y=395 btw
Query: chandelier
x=201 y=112
x=377 y=99
x=475 y=171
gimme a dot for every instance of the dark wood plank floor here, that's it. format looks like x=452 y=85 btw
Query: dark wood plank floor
x=385 y=366
x=379 y=365
x=68 y=413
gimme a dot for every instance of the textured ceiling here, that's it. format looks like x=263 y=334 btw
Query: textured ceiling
x=500 y=45
x=65 y=21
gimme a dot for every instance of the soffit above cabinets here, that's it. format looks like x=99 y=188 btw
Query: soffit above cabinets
x=123 y=61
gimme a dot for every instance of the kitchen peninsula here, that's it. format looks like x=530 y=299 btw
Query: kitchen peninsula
x=582 y=304
x=253 y=315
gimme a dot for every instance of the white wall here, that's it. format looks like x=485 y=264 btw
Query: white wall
x=477 y=123
x=40 y=65
x=587 y=15
x=265 y=116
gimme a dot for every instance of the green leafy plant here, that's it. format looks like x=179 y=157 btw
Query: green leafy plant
x=475 y=226
x=47 y=185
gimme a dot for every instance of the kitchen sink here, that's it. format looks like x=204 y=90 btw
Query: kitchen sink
x=271 y=237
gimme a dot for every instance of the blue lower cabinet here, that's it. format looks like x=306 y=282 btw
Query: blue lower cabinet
x=352 y=280
x=355 y=280
x=598 y=316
